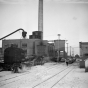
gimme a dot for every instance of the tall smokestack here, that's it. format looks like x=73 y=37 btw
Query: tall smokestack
x=40 y=17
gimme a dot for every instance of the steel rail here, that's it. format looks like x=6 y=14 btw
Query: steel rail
x=50 y=77
x=22 y=75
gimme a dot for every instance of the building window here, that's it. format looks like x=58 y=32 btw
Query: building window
x=6 y=46
x=14 y=45
x=24 y=45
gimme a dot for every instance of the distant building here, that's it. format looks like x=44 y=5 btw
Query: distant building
x=83 y=49
x=60 y=44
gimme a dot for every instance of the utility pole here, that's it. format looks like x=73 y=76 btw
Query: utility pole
x=67 y=50
x=73 y=52
x=58 y=46
x=70 y=51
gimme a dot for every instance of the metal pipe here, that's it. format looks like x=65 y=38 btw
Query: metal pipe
x=11 y=33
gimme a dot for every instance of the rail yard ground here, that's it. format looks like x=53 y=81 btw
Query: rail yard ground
x=49 y=75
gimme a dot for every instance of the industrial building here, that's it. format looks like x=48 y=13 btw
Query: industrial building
x=60 y=44
x=83 y=49
x=35 y=45
x=26 y=44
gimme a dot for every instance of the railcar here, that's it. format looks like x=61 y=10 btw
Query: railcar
x=13 y=57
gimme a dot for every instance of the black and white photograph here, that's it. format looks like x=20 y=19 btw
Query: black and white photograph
x=43 y=43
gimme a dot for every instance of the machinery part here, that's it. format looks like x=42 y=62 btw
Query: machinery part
x=15 y=67
x=35 y=35
x=24 y=34
x=14 y=32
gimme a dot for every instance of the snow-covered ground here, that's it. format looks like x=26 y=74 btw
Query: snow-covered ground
x=49 y=75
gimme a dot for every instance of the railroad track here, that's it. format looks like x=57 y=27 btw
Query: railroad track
x=41 y=85
x=22 y=74
x=61 y=78
x=25 y=72
x=18 y=77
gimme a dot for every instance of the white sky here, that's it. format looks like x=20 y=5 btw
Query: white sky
x=68 y=19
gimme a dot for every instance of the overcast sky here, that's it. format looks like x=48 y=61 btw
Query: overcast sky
x=68 y=19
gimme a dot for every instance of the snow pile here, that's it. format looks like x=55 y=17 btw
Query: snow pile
x=24 y=68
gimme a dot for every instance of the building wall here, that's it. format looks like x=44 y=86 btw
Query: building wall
x=41 y=48
x=51 y=49
x=1 y=54
x=27 y=45
x=83 y=48
x=0 y=51
x=60 y=44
